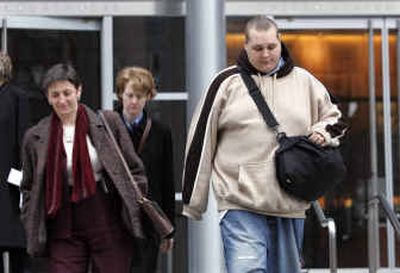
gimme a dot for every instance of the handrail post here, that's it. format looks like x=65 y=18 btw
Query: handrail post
x=332 y=245
x=328 y=223
x=6 y=261
x=389 y=213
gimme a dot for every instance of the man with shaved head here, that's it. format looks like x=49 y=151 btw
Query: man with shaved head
x=230 y=145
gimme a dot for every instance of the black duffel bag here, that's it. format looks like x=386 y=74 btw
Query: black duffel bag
x=303 y=169
x=307 y=170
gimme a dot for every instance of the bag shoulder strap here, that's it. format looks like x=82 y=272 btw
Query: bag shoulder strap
x=259 y=100
x=136 y=188
x=145 y=135
x=111 y=117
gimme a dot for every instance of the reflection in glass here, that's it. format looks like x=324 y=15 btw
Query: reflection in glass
x=34 y=51
x=154 y=43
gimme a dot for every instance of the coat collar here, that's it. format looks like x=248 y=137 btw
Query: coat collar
x=97 y=134
x=41 y=130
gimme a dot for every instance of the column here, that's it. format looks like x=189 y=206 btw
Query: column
x=106 y=58
x=205 y=55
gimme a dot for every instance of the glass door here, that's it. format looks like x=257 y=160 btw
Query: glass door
x=338 y=52
x=36 y=43
x=357 y=63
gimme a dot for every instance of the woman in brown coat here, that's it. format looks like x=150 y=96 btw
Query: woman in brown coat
x=78 y=204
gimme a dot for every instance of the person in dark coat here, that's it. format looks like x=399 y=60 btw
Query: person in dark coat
x=13 y=123
x=152 y=141
x=79 y=206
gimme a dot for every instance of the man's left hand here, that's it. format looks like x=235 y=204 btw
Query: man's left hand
x=318 y=139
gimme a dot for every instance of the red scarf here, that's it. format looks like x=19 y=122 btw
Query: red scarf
x=84 y=183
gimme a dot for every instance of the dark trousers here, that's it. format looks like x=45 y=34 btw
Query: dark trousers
x=90 y=230
x=148 y=256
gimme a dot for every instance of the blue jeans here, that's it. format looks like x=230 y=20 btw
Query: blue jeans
x=256 y=243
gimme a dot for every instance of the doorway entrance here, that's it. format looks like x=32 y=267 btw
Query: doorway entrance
x=357 y=60
x=36 y=43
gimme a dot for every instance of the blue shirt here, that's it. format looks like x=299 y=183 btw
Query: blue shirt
x=135 y=123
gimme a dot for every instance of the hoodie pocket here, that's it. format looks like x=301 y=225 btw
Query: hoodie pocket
x=254 y=183
x=258 y=189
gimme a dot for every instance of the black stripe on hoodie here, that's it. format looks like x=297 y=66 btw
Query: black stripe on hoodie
x=196 y=146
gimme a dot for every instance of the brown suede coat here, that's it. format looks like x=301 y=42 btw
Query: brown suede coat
x=34 y=155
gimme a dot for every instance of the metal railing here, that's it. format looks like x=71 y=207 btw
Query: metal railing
x=6 y=262
x=389 y=213
x=380 y=199
x=328 y=223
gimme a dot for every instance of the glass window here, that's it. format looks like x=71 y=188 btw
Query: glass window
x=173 y=114
x=34 y=51
x=156 y=43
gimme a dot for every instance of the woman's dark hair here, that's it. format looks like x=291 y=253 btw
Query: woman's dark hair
x=61 y=72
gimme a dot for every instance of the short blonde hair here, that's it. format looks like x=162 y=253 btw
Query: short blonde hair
x=140 y=80
x=5 y=67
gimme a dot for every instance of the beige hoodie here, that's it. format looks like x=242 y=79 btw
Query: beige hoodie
x=230 y=145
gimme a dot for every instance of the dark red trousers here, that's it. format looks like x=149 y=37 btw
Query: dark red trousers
x=90 y=231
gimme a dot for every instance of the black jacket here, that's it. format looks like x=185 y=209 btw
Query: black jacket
x=157 y=158
x=14 y=121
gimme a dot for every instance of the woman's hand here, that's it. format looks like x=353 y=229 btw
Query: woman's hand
x=166 y=245
x=318 y=139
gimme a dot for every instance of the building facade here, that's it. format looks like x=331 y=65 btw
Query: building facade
x=353 y=47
